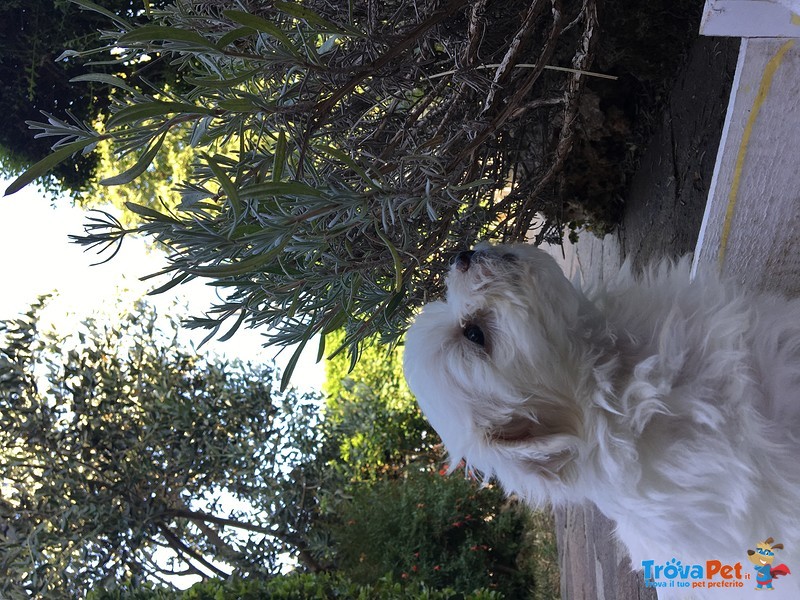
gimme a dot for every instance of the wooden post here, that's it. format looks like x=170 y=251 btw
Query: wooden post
x=593 y=565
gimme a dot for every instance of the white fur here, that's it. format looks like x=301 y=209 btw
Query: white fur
x=673 y=405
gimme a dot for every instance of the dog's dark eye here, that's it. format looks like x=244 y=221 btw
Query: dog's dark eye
x=474 y=334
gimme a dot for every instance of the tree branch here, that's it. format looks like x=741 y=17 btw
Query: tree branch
x=303 y=554
x=185 y=551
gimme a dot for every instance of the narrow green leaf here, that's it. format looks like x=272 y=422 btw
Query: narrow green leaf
x=245 y=231
x=344 y=158
x=86 y=4
x=232 y=36
x=111 y=80
x=279 y=159
x=235 y=328
x=44 y=166
x=238 y=105
x=151 y=33
x=178 y=279
x=280 y=188
x=398 y=264
x=394 y=303
x=228 y=187
x=328 y=44
x=199 y=130
x=321 y=348
x=141 y=165
x=309 y=16
x=217 y=83
x=156 y=108
x=336 y=322
x=354 y=354
x=262 y=25
x=66 y=54
x=233 y=269
x=471 y=185
x=147 y=212
x=292 y=362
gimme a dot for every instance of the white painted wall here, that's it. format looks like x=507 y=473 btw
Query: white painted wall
x=751 y=227
x=751 y=18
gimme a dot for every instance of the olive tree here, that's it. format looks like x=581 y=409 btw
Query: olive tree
x=115 y=442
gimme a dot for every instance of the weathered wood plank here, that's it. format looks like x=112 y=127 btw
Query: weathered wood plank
x=593 y=565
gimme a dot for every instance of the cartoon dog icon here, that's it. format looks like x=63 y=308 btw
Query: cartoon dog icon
x=763 y=557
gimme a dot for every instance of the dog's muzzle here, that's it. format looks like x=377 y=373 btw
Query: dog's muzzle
x=463 y=260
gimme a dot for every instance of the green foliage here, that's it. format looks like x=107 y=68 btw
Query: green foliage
x=371 y=413
x=144 y=592
x=380 y=368
x=156 y=188
x=322 y=586
x=116 y=441
x=35 y=34
x=297 y=586
x=430 y=528
x=344 y=149
x=539 y=556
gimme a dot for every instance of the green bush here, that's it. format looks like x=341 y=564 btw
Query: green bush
x=372 y=417
x=444 y=532
x=134 y=593
x=296 y=586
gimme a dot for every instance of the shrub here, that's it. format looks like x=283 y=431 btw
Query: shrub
x=345 y=150
x=296 y=586
x=433 y=529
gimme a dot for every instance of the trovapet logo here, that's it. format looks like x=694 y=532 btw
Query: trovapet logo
x=717 y=574
x=711 y=574
x=763 y=557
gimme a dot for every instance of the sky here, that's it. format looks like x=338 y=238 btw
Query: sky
x=36 y=257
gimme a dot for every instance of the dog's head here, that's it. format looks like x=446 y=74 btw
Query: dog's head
x=490 y=366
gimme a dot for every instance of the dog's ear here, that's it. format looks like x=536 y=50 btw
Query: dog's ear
x=534 y=446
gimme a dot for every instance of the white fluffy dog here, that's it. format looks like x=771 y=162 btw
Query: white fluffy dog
x=673 y=405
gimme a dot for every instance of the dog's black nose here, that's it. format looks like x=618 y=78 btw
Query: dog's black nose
x=463 y=260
